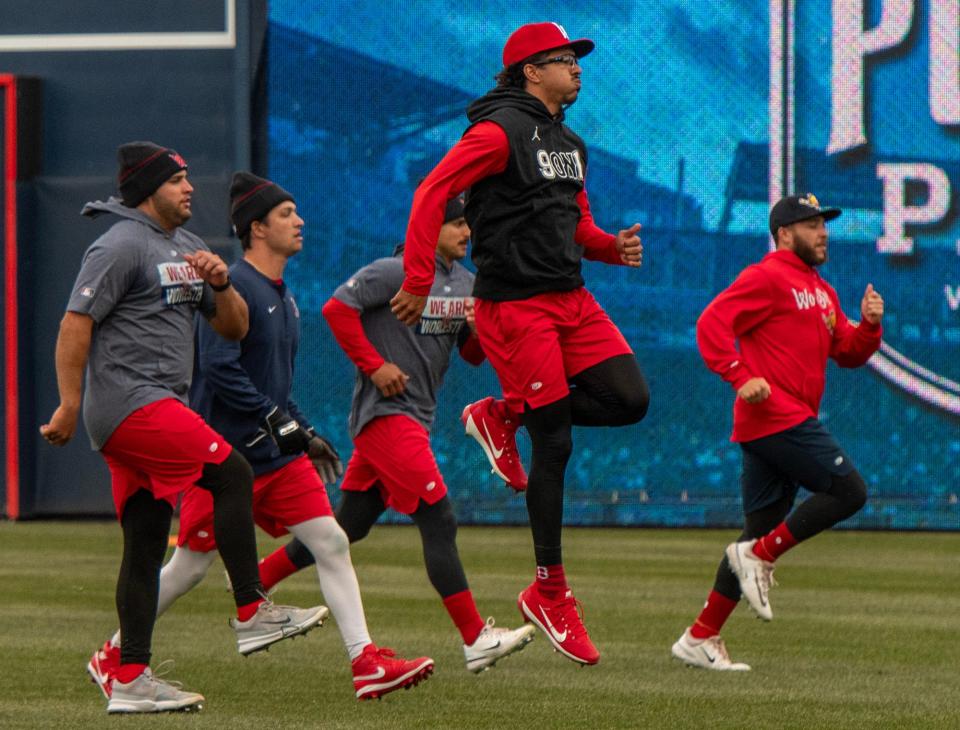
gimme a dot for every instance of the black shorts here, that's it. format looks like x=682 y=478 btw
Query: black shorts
x=776 y=466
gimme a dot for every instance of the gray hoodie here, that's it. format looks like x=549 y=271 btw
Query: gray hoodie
x=142 y=297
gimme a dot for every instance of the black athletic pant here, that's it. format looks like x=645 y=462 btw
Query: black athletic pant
x=231 y=484
x=611 y=393
x=146 y=529
x=357 y=512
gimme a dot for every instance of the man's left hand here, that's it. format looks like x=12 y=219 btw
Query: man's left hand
x=209 y=267
x=629 y=246
x=325 y=459
x=871 y=307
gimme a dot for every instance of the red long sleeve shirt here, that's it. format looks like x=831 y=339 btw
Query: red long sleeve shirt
x=787 y=321
x=481 y=152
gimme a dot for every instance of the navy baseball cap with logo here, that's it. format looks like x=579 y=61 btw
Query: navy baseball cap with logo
x=796 y=208
x=533 y=38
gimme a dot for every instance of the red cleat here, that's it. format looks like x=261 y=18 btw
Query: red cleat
x=379 y=671
x=498 y=438
x=103 y=665
x=561 y=622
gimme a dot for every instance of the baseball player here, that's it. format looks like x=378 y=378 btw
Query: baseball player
x=560 y=360
x=769 y=334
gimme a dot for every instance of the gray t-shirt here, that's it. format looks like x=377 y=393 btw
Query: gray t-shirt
x=422 y=351
x=142 y=297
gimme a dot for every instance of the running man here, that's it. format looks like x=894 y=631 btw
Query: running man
x=788 y=322
x=131 y=315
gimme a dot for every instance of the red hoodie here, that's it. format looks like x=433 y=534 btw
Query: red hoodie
x=788 y=321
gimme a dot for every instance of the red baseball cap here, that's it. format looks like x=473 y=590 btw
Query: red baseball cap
x=533 y=38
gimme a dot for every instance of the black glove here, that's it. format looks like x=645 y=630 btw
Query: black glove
x=286 y=432
x=325 y=458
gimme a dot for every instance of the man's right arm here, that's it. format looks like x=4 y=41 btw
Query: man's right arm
x=736 y=310
x=347 y=328
x=73 y=349
x=481 y=152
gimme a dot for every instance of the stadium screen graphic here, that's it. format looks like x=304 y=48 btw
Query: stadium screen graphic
x=688 y=132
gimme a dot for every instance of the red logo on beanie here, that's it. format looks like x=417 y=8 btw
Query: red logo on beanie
x=175 y=156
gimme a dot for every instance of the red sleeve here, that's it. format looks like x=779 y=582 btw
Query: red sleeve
x=598 y=245
x=852 y=345
x=481 y=152
x=736 y=310
x=345 y=323
x=471 y=351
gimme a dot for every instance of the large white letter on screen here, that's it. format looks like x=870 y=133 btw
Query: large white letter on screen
x=851 y=45
x=896 y=212
x=945 y=61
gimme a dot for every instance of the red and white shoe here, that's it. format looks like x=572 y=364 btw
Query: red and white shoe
x=561 y=621
x=498 y=438
x=103 y=665
x=379 y=671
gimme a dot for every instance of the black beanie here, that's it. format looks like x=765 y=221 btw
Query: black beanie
x=144 y=167
x=251 y=198
x=454 y=209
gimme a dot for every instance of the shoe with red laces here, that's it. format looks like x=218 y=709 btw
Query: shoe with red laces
x=561 y=621
x=103 y=665
x=498 y=438
x=379 y=671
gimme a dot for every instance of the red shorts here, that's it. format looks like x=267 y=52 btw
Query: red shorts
x=286 y=496
x=536 y=345
x=162 y=448
x=393 y=454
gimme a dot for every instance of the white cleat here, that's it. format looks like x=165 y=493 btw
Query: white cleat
x=755 y=575
x=710 y=653
x=494 y=643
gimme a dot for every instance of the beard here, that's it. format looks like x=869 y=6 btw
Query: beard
x=172 y=212
x=810 y=255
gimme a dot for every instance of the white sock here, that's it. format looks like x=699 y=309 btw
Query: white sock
x=328 y=543
x=183 y=571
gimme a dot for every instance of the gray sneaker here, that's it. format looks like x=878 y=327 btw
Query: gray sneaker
x=272 y=623
x=149 y=693
x=494 y=643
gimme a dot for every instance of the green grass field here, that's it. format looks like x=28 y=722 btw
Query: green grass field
x=864 y=636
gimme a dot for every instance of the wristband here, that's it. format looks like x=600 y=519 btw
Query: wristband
x=222 y=287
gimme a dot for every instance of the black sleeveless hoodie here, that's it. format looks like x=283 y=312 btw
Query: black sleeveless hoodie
x=523 y=220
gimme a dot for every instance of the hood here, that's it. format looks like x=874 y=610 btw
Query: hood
x=114 y=206
x=400 y=247
x=509 y=97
